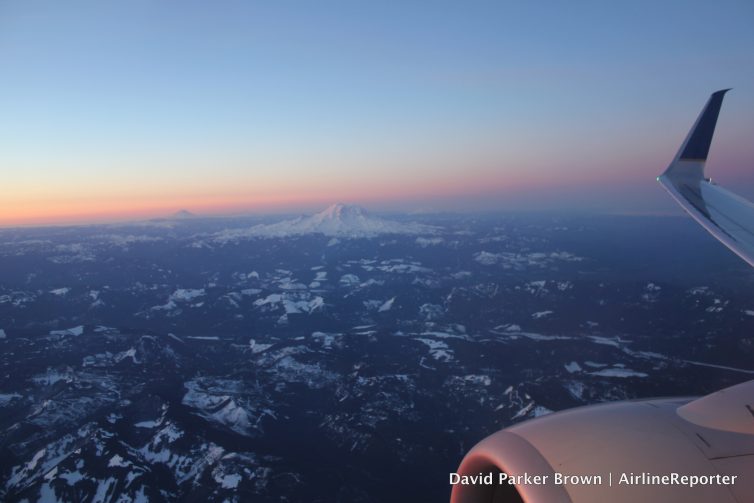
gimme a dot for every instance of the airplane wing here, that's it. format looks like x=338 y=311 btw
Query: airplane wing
x=630 y=451
x=727 y=216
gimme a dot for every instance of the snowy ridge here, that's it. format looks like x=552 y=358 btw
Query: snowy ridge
x=337 y=220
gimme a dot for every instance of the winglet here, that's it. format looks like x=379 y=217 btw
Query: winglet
x=698 y=142
x=725 y=215
x=690 y=159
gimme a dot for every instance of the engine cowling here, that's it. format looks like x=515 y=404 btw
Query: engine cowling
x=619 y=452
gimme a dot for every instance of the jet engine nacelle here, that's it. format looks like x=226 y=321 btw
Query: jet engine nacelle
x=664 y=450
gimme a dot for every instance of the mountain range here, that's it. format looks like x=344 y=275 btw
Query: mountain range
x=337 y=220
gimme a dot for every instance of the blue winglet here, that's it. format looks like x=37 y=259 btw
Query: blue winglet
x=697 y=146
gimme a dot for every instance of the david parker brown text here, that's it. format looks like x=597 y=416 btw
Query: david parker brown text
x=630 y=478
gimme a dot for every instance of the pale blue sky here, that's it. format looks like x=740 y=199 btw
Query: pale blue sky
x=228 y=106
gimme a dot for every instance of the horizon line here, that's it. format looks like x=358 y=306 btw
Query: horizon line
x=124 y=221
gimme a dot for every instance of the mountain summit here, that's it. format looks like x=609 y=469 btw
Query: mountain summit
x=337 y=220
x=341 y=211
x=181 y=214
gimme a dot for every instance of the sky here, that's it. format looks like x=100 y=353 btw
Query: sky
x=123 y=110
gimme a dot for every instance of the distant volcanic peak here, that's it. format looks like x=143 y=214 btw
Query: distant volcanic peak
x=339 y=220
x=182 y=214
x=342 y=211
x=342 y=215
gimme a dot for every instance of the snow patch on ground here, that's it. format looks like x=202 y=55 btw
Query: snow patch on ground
x=118 y=461
x=425 y=242
x=386 y=306
x=618 y=372
x=229 y=481
x=519 y=261
x=575 y=389
x=514 y=332
x=6 y=398
x=539 y=410
x=75 y=331
x=212 y=400
x=349 y=280
x=186 y=294
x=437 y=349
x=181 y=296
x=572 y=367
x=257 y=347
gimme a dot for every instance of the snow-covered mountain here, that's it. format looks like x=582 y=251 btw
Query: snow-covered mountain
x=181 y=214
x=338 y=220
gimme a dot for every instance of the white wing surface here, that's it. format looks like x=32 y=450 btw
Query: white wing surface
x=727 y=216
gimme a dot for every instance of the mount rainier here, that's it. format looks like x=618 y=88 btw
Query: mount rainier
x=337 y=220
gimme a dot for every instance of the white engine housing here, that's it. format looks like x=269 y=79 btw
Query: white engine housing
x=709 y=436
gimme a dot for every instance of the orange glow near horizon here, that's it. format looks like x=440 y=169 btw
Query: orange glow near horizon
x=125 y=112
x=110 y=204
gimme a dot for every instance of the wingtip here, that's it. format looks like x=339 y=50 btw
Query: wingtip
x=698 y=142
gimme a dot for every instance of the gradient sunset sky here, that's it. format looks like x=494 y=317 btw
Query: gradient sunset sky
x=134 y=109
